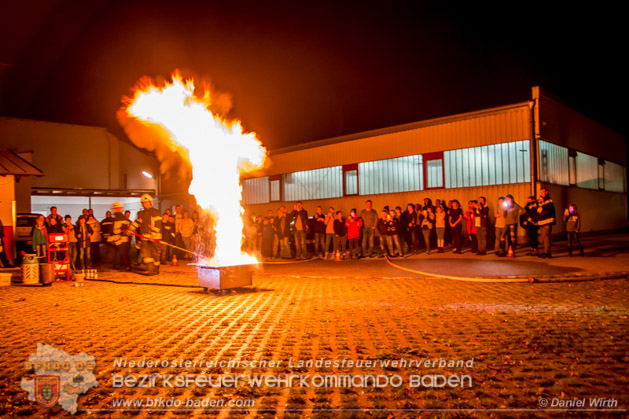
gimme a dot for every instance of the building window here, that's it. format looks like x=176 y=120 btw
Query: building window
x=275 y=188
x=402 y=174
x=313 y=184
x=615 y=177
x=601 y=174
x=572 y=167
x=587 y=171
x=493 y=164
x=255 y=191
x=553 y=163
x=433 y=170
x=350 y=179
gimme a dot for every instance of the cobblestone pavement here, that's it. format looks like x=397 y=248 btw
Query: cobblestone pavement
x=528 y=342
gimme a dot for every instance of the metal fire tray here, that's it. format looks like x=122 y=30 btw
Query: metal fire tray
x=225 y=277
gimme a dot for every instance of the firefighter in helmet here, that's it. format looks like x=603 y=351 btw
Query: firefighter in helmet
x=119 y=238
x=149 y=226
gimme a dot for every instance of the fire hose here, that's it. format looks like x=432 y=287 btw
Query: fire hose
x=164 y=243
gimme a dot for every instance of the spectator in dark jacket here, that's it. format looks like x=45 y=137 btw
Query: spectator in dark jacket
x=299 y=219
x=481 y=218
x=83 y=233
x=282 y=229
x=319 y=232
x=529 y=223
x=572 y=219
x=409 y=223
x=340 y=235
x=546 y=220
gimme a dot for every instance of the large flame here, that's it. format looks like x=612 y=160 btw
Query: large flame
x=218 y=151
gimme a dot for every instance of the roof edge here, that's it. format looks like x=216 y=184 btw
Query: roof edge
x=400 y=128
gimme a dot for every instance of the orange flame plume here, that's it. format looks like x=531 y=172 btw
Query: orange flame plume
x=218 y=151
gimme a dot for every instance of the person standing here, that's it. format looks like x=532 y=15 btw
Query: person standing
x=381 y=228
x=106 y=230
x=329 y=230
x=299 y=218
x=511 y=221
x=149 y=225
x=393 y=238
x=455 y=217
x=370 y=219
x=340 y=235
x=481 y=217
x=529 y=223
x=319 y=232
x=353 y=224
x=409 y=223
x=572 y=220
x=186 y=229
x=470 y=225
x=499 y=246
x=69 y=230
x=440 y=227
x=83 y=233
x=119 y=238
x=40 y=239
x=282 y=227
x=95 y=239
x=4 y=260
x=427 y=220
x=546 y=220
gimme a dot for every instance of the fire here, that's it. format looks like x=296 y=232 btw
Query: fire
x=217 y=149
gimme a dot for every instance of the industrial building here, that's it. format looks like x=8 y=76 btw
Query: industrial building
x=514 y=149
x=83 y=167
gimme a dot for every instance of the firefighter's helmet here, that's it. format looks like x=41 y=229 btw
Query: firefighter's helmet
x=146 y=198
x=116 y=205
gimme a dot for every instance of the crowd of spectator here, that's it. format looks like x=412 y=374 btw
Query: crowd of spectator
x=93 y=243
x=397 y=232
x=394 y=231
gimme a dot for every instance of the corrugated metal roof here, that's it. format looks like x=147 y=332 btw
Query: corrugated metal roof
x=12 y=164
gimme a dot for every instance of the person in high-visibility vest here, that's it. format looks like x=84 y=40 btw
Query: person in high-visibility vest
x=119 y=239
x=149 y=225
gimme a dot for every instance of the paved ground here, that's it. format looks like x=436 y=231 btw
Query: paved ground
x=561 y=341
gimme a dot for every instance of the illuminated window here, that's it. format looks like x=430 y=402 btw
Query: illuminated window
x=601 y=174
x=494 y=164
x=350 y=179
x=275 y=188
x=313 y=184
x=255 y=191
x=401 y=174
x=433 y=167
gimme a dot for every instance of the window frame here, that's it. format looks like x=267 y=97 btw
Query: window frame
x=426 y=157
x=350 y=168
x=272 y=179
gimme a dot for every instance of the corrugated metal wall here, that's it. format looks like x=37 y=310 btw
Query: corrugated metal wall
x=500 y=126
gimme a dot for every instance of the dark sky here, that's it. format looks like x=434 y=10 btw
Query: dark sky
x=306 y=70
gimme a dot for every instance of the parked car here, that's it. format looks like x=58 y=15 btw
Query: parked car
x=23 y=234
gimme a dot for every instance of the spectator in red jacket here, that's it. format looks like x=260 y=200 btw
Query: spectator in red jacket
x=353 y=224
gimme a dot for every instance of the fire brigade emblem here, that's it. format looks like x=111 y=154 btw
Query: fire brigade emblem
x=47 y=388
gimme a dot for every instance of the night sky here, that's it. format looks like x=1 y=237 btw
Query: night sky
x=301 y=71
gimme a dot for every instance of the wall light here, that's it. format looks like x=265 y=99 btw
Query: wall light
x=147 y=174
